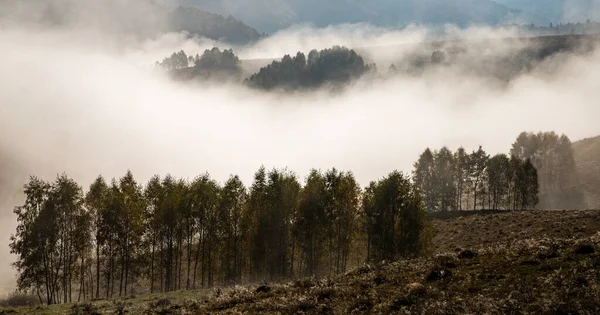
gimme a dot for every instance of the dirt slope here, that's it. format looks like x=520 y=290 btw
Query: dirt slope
x=538 y=262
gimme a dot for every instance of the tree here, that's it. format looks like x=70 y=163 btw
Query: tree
x=177 y=60
x=527 y=185
x=95 y=202
x=215 y=59
x=337 y=65
x=282 y=195
x=204 y=202
x=272 y=203
x=497 y=169
x=396 y=218
x=131 y=225
x=258 y=220
x=445 y=181
x=552 y=156
x=309 y=224
x=153 y=194
x=52 y=235
x=231 y=210
x=478 y=162
x=34 y=241
x=462 y=169
x=424 y=178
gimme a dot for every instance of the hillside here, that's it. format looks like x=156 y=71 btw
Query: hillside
x=587 y=160
x=557 y=11
x=211 y=25
x=272 y=15
x=506 y=262
x=127 y=19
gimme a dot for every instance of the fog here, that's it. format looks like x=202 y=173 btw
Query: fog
x=86 y=102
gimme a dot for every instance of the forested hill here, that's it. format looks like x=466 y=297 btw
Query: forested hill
x=211 y=25
x=557 y=10
x=135 y=18
x=272 y=15
x=587 y=159
x=475 y=57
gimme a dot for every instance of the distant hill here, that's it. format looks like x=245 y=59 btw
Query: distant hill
x=587 y=160
x=128 y=18
x=272 y=15
x=211 y=25
x=558 y=10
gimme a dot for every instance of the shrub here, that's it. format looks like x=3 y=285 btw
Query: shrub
x=17 y=299
x=438 y=274
x=584 y=249
x=467 y=254
x=84 y=309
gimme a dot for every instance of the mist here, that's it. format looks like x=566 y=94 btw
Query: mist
x=86 y=102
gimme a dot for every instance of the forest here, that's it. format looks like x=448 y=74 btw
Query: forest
x=120 y=237
x=334 y=67
x=539 y=172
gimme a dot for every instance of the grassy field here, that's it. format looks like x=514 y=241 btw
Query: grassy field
x=542 y=262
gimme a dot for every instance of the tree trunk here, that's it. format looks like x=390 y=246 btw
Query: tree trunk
x=97 y=269
x=189 y=258
x=127 y=254
x=196 y=261
x=152 y=267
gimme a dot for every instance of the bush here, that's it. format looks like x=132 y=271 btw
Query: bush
x=84 y=309
x=584 y=249
x=17 y=299
x=163 y=306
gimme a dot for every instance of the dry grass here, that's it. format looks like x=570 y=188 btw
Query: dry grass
x=539 y=262
x=476 y=229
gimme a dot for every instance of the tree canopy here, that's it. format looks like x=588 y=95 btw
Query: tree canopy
x=171 y=234
x=336 y=65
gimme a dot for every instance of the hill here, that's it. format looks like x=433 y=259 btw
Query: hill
x=272 y=15
x=127 y=19
x=211 y=25
x=587 y=160
x=557 y=11
x=481 y=262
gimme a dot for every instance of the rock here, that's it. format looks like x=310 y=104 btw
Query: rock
x=263 y=288
x=467 y=254
x=584 y=249
x=379 y=280
x=438 y=274
x=415 y=288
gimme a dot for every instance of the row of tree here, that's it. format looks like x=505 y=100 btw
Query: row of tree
x=122 y=238
x=213 y=59
x=329 y=66
x=450 y=181
x=552 y=156
x=539 y=172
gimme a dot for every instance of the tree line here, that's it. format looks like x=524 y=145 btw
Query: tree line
x=538 y=172
x=329 y=66
x=121 y=237
x=336 y=65
x=552 y=156
x=471 y=181
x=211 y=59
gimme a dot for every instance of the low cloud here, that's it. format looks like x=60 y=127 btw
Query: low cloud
x=86 y=103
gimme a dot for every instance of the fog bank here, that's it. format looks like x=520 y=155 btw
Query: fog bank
x=78 y=102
